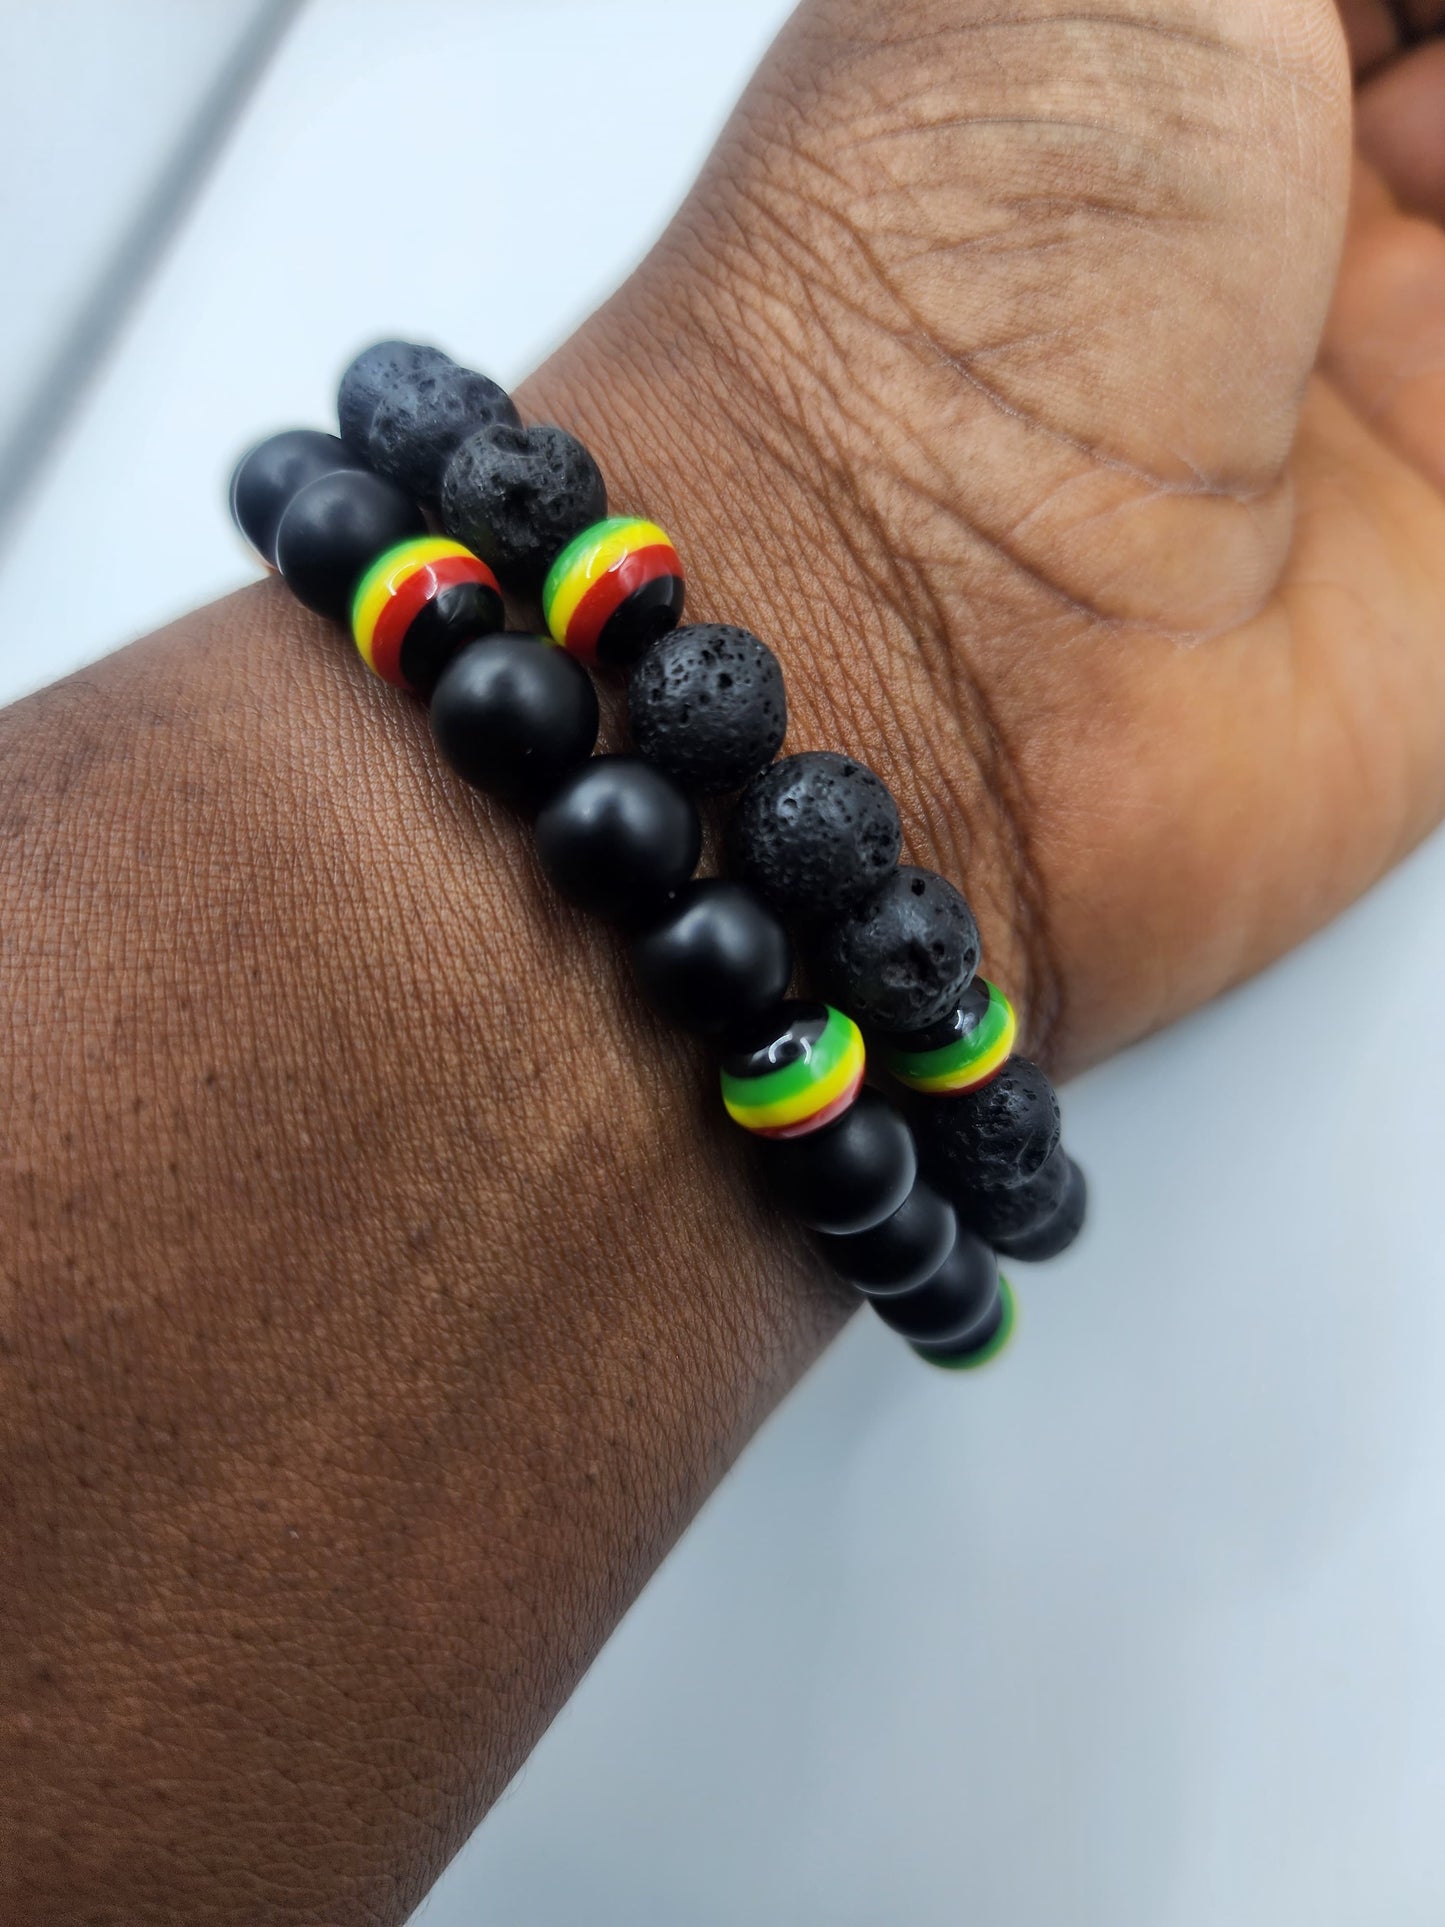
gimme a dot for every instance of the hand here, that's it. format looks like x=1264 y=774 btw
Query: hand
x=1004 y=369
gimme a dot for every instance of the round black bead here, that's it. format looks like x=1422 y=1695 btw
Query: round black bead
x=848 y=1176
x=901 y=1251
x=332 y=531
x=992 y=1138
x=417 y=428
x=458 y=614
x=814 y=833
x=270 y=474
x=901 y=959
x=618 y=836
x=517 y=496
x=978 y=1338
x=514 y=716
x=707 y=705
x=1008 y=1211
x=376 y=373
x=716 y=958
x=946 y=1307
x=1056 y=1233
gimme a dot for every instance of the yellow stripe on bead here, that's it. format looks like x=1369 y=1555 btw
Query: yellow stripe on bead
x=804 y=1103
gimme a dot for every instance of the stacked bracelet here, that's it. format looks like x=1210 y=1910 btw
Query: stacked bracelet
x=407 y=526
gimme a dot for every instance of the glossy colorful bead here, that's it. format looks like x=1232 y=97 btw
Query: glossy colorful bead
x=613 y=590
x=794 y=1073
x=965 y=1050
x=417 y=604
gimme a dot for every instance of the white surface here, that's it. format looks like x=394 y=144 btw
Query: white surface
x=1139 y=1630
x=93 y=99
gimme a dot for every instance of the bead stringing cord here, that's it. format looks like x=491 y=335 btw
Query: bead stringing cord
x=911 y=1201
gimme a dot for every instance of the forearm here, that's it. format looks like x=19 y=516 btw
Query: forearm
x=383 y=1292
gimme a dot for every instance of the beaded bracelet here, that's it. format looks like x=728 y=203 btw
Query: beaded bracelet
x=910 y=1205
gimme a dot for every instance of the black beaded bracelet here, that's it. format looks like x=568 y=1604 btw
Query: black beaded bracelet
x=910 y=1205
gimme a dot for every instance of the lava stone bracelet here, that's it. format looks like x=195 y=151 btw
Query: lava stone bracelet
x=407 y=526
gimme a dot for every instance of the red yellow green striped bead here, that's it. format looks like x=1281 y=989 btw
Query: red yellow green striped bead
x=796 y=1072
x=613 y=590
x=417 y=604
x=971 y=1045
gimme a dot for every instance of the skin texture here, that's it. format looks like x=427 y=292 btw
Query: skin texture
x=380 y=1298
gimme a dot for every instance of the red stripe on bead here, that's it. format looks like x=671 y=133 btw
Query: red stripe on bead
x=403 y=608
x=610 y=591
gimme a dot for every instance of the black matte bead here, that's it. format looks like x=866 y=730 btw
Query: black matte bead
x=961 y=1351
x=901 y=959
x=901 y=1251
x=717 y=957
x=617 y=837
x=848 y=1176
x=517 y=496
x=514 y=716
x=950 y=1304
x=1056 y=1233
x=707 y=705
x=270 y=474
x=814 y=833
x=992 y=1138
x=376 y=373
x=417 y=428
x=332 y=531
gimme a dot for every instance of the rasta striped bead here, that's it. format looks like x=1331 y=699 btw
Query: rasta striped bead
x=613 y=591
x=966 y=1049
x=795 y=1072
x=417 y=604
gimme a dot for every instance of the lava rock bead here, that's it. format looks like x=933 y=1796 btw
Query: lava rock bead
x=517 y=496
x=513 y=715
x=334 y=528
x=850 y=1175
x=617 y=837
x=902 y=958
x=707 y=704
x=418 y=426
x=948 y=1306
x=814 y=833
x=990 y=1139
x=900 y=1252
x=377 y=373
x=1003 y=1212
x=717 y=957
x=270 y=474
x=1055 y=1233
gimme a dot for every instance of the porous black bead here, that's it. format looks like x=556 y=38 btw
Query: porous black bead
x=376 y=373
x=707 y=704
x=900 y=1252
x=1055 y=1233
x=267 y=476
x=901 y=959
x=948 y=1306
x=418 y=426
x=991 y=1138
x=814 y=833
x=848 y=1176
x=517 y=496
x=716 y=957
x=618 y=836
x=514 y=716
x=1007 y=1211
x=334 y=528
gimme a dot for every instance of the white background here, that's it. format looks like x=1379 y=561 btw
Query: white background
x=1140 y=1629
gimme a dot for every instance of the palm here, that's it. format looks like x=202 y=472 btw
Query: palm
x=1124 y=564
